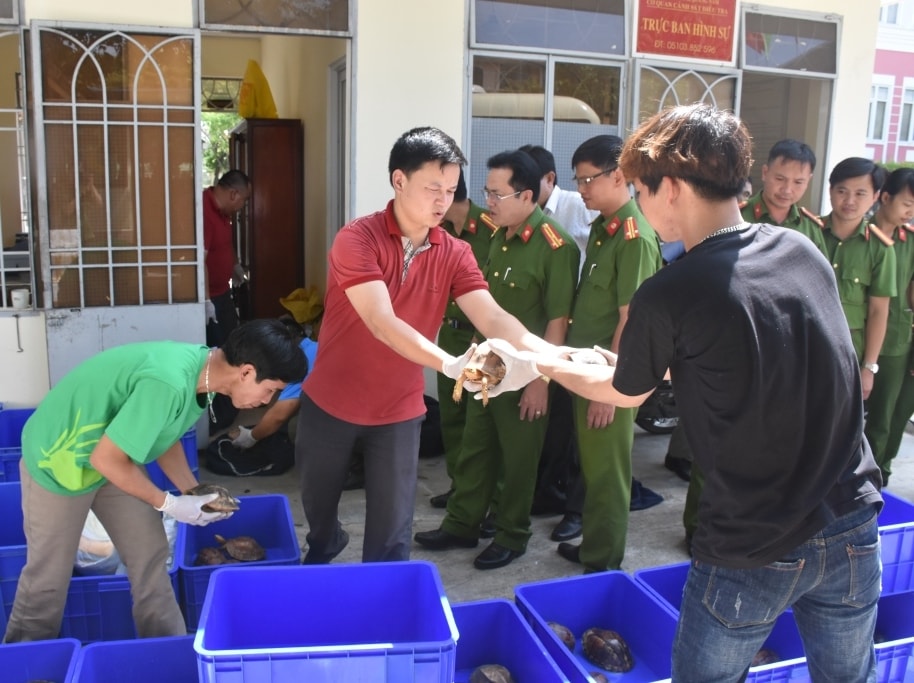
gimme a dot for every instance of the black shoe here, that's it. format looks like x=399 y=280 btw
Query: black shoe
x=570 y=527
x=495 y=556
x=681 y=467
x=570 y=552
x=440 y=501
x=439 y=539
x=487 y=529
x=315 y=557
x=642 y=497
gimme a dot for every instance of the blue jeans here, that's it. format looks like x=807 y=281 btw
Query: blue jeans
x=833 y=581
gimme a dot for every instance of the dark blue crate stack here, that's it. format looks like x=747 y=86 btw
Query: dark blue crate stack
x=383 y=622
x=42 y=660
x=147 y=660
x=12 y=420
x=494 y=632
x=98 y=607
x=896 y=535
x=266 y=518
x=611 y=600
x=157 y=476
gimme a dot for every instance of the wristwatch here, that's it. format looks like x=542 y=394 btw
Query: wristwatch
x=872 y=367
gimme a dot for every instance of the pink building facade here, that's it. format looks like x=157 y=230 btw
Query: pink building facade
x=890 y=128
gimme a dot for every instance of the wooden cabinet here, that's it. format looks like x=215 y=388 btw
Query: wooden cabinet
x=270 y=229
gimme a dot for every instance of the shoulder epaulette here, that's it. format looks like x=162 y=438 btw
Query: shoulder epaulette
x=743 y=204
x=488 y=222
x=631 y=228
x=552 y=236
x=813 y=217
x=881 y=236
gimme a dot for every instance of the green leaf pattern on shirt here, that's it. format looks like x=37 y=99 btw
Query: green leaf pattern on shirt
x=68 y=458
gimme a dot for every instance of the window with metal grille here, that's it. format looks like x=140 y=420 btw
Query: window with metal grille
x=321 y=17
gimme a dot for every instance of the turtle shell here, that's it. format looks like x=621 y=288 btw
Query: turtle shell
x=209 y=556
x=224 y=503
x=485 y=367
x=765 y=656
x=564 y=633
x=491 y=673
x=607 y=649
x=242 y=548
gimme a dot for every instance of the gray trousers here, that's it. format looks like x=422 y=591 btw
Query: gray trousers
x=53 y=525
x=323 y=447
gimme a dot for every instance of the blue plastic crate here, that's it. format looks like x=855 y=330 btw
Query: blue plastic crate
x=9 y=464
x=897 y=547
x=147 y=660
x=12 y=420
x=494 y=632
x=98 y=608
x=189 y=441
x=895 y=511
x=612 y=600
x=48 y=660
x=379 y=622
x=267 y=518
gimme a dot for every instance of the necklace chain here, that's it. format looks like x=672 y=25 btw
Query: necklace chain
x=723 y=231
x=209 y=394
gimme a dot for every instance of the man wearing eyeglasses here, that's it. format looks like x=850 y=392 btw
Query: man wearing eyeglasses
x=531 y=272
x=622 y=252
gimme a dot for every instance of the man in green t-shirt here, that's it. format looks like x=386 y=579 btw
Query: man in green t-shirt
x=85 y=448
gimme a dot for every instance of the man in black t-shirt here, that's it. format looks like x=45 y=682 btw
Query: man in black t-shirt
x=750 y=326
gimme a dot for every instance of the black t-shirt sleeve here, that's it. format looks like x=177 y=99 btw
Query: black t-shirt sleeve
x=646 y=346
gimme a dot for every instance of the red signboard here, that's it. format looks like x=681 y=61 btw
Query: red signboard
x=697 y=29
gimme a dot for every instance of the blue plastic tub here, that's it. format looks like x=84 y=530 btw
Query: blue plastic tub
x=494 y=632
x=379 y=622
x=267 y=518
x=147 y=660
x=189 y=441
x=612 y=600
x=12 y=420
x=895 y=511
x=41 y=660
x=897 y=546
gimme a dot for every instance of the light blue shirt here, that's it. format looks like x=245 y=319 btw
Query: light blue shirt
x=293 y=389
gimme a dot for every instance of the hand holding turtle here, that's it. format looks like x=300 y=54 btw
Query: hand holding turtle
x=453 y=365
x=187 y=509
x=520 y=368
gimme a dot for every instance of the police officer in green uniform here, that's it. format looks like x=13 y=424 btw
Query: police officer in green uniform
x=785 y=178
x=622 y=252
x=891 y=403
x=532 y=271
x=470 y=223
x=862 y=257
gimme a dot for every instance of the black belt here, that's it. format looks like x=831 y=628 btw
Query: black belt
x=456 y=324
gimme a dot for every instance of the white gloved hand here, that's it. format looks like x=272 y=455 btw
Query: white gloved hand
x=520 y=368
x=245 y=438
x=453 y=366
x=210 y=308
x=187 y=509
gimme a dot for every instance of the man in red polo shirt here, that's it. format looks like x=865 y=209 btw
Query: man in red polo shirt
x=220 y=203
x=390 y=277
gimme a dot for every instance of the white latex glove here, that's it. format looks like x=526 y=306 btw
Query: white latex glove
x=453 y=366
x=187 y=509
x=210 y=308
x=244 y=439
x=520 y=369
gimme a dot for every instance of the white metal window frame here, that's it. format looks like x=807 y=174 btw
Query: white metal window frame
x=788 y=13
x=906 y=100
x=879 y=83
x=13 y=20
x=40 y=166
x=241 y=28
x=477 y=47
x=888 y=13
x=723 y=73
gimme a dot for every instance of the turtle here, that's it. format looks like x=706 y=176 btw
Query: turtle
x=224 y=503
x=242 y=548
x=564 y=633
x=209 y=556
x=765 y=656
x=491 y=673
x=607 y=649
x=485 y=367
